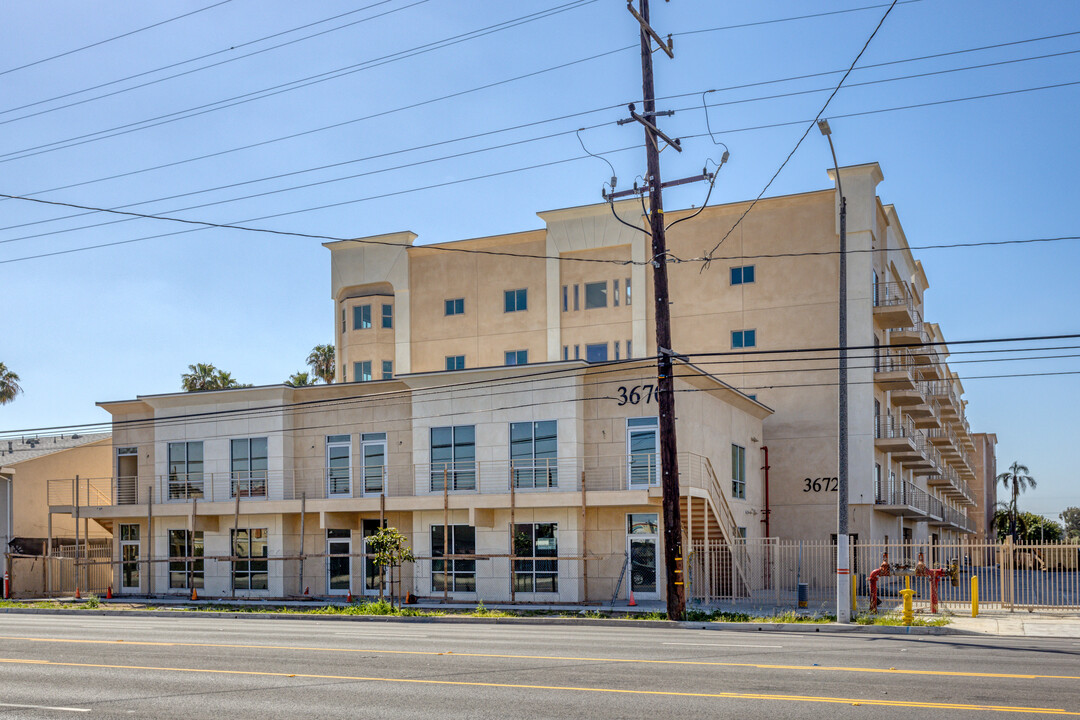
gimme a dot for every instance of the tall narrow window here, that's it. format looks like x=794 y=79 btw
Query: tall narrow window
x=453 y=457
x=595 y=295
x=454 y=575
x=250 y=573
x=387 y=369
x=339 y=465
x=738 y=472
x=615 y=292
x=342 y=320
x=629 y=297
x=565 y=352
x=577 y=352
x=629 y=351
x=388 y=316
x=361 y=317
x=515 y=300
x=576 y=297
x=565 y=298
x=536 y=549
x=185 y=470
x=617 y=350
x=248 y=466
x=534 y=454
x=361 y=371
x=517 y=357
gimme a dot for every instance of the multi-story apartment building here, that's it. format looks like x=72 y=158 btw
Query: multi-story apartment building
x=762 y=316
x=272 y=491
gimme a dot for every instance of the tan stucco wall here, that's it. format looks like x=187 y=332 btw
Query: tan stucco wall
x=31 y=482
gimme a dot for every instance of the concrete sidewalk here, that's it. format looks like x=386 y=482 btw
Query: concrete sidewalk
x=1020 y=624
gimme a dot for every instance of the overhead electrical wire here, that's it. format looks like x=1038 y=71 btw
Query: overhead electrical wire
x=113 y=38
x=438 y=159
x=286 y=87
x=806 y=132
x=230 y=49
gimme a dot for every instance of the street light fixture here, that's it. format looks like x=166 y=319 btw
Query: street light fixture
x=843 y=565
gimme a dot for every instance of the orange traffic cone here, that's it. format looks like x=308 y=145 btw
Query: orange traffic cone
x=78 y=595
x=194 y=595
x=632 y=603
x=306 y=590
x=108 y=593
x=349 y=598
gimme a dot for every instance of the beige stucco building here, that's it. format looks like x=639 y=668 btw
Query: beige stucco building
x=752 y=317
x=549 y=463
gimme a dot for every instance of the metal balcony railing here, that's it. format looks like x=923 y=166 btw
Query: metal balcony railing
x=889 y=294
x=902 y=493
x=891 y=425
x=635 y=471
x=894 y=360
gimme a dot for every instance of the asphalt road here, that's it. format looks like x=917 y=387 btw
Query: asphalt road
x=55 y=666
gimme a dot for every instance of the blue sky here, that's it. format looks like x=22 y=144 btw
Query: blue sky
x=114 y=322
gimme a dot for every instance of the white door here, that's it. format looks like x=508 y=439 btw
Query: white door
x=338 y=569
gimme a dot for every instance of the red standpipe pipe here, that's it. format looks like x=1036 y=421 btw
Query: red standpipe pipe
x=765 y=450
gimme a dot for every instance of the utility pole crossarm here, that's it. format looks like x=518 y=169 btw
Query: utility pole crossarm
x=668 y=47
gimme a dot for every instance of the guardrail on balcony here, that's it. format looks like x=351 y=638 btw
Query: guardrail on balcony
x=892 y=425
x=888 y=294
x=618 y=472
x=902 y=493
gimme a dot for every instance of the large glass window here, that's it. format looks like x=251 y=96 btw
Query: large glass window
x=534 y=454
x=388 y=316
x=373 y=574
x=517 y=357
x=743 y=338
x=373 y=453
x=455 y=306
x=738 y=472
x=595 y=295
x=455 y=362
x=453 y=457
x=185 y=559
x=248 y=465
x=387 y=369
x=251 y=572
x=339 y=464
x=361 y=371
x=515 y=300
x=455 y=575
x=185 y=470
x=596 y=352
x=536 y=549
x=361 y=317
x=129 y=556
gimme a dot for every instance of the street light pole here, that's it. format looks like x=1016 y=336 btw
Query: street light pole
x=843 y=562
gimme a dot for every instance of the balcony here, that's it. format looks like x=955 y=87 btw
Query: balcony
x=944 y=439
x=894 y=434
x=899 y=497
x=893 y=305
x=931 y=462
x=894 y=370
x=636 y=471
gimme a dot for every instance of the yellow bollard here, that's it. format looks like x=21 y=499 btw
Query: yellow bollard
x=907 y=593
x=974 y=596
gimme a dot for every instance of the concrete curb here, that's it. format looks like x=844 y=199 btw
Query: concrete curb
x=826 y=628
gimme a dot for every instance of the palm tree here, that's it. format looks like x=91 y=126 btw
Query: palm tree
x=9 y=385
x=1017 y=480
x=300 y=379
x=204 y=376
x=321 y=361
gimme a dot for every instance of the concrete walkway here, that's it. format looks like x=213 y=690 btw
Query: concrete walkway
x=1020 y=624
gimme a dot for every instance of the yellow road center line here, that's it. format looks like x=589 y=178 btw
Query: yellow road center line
x=647 y=661
x=619 y=691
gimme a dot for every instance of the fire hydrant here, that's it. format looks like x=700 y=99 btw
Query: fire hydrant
x=907 y=593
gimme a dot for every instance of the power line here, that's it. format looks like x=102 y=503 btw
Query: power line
x=523 y=169
x=809 y=127
x=445 y=142
x=230 y=49
x=899 y=346
x=869 y=382
x=111 y=39
x=287 y=87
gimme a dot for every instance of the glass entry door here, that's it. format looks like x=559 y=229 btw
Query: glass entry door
x=643 y=452
x=338 y=465
x=338 y=569
x=373 y=574
x=642 y=545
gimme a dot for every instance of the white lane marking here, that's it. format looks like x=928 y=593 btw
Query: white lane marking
x=44 y=707
x=724 y=645
x=378 y=635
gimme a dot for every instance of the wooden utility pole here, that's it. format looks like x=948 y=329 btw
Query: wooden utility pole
x=669 y=462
